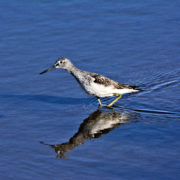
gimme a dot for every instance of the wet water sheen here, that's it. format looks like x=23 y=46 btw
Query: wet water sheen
x=51 y=129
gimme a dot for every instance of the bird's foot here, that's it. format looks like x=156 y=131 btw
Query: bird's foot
x=110 y=105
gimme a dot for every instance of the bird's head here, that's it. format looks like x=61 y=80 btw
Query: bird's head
x=62 y=63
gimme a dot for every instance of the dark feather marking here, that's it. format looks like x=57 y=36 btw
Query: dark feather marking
x=107 y=82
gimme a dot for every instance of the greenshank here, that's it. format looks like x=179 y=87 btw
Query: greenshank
x=93 y=83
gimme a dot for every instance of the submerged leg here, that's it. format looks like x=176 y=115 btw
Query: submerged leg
x=119 y=97
x=100 y=104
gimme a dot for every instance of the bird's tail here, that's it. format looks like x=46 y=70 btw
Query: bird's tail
x=135 y=87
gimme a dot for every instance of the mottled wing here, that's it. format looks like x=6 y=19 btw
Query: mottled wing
x=101 y=80
x=108 y=82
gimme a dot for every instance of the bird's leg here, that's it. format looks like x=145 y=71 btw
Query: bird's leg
x=119 y=97
x=100 y=104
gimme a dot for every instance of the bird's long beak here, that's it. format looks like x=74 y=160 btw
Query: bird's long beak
x=49 y=69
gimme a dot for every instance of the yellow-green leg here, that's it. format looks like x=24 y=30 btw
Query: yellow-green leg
x=119 y=97
x=100 y=104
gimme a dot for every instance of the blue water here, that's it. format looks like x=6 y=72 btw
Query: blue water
x=51 y=129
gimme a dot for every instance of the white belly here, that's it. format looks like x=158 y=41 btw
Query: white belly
x=100 y=90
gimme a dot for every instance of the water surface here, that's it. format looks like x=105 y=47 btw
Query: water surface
x=51 y=129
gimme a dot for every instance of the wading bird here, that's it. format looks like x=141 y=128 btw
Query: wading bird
x=94 y=84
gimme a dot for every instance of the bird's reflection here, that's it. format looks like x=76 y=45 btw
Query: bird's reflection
x=98 y=123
